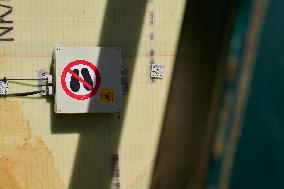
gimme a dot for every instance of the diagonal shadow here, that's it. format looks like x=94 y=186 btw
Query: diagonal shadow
x=184 y=129
x=100 y=133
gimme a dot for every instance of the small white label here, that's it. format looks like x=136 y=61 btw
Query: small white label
x=157 y=71
x=4 y=88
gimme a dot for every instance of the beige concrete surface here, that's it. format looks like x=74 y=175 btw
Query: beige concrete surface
x=43 y=150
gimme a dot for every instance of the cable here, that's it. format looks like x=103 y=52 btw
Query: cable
x=5 y=80
x=23 y=94
x=23 y=79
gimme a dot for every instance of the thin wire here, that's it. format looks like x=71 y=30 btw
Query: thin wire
x=23 y=79
x=23 y=94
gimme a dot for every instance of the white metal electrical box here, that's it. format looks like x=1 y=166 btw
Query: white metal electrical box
x=88 y=80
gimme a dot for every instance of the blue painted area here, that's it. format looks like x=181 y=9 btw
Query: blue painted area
x=259 y=161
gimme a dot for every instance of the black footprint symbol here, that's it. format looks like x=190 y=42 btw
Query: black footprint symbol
x=87 y=77
x=74 y=84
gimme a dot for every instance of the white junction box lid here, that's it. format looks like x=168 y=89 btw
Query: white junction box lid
x=88 y=80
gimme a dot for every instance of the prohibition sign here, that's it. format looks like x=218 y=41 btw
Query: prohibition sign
x=93 y=89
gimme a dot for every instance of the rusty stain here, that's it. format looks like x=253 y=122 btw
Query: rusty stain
x=25 y=160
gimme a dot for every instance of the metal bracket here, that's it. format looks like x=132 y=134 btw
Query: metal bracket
x=45 y=82
x=4 y=87
x=124 y=81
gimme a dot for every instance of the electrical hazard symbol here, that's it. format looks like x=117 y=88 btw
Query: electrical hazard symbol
x=80 y=80
x=107 y=96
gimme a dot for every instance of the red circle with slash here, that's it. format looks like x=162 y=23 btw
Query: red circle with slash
x=93 y=89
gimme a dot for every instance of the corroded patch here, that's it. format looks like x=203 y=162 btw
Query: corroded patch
x=25 y=160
